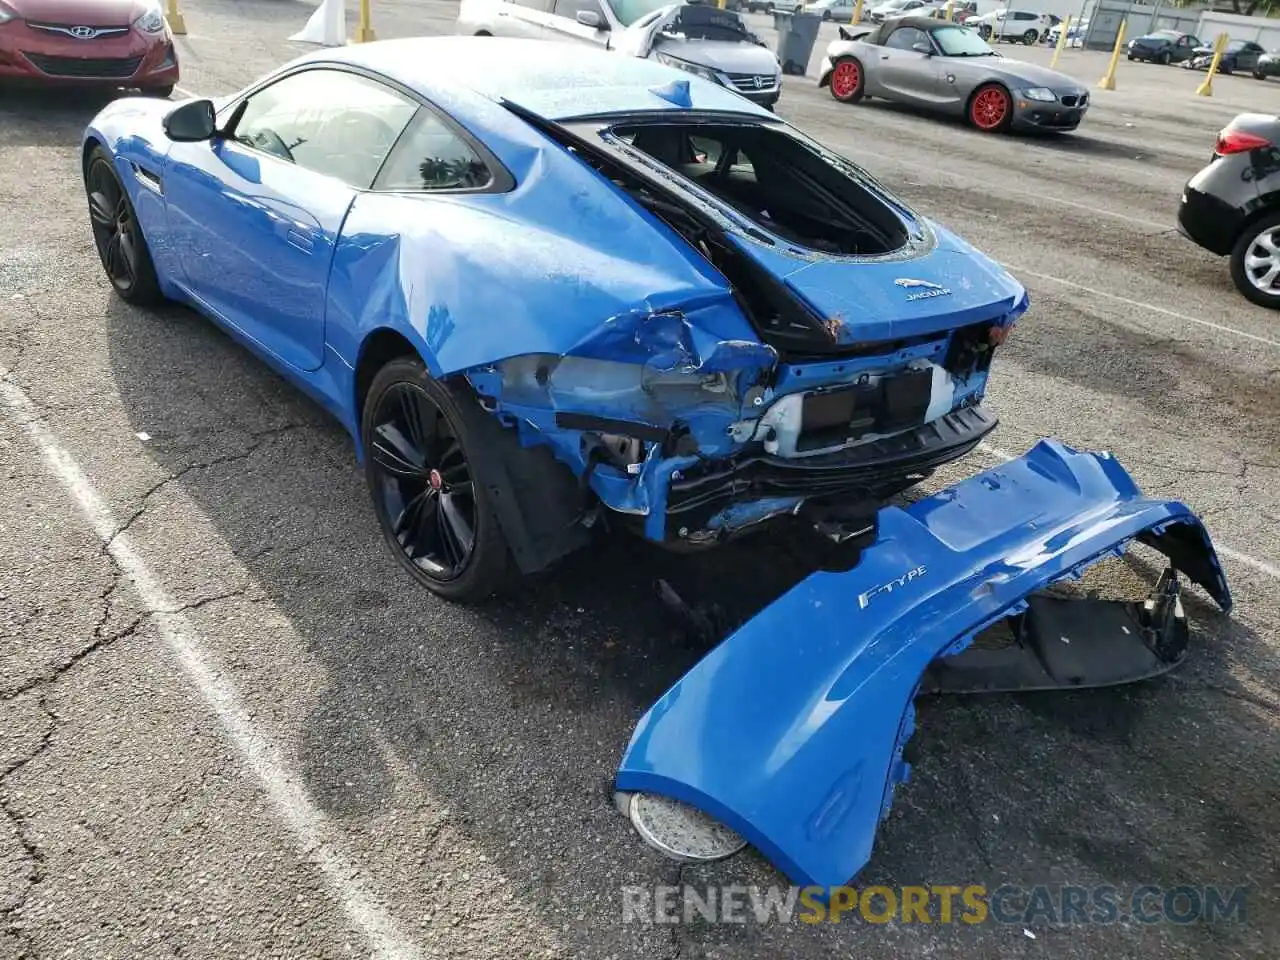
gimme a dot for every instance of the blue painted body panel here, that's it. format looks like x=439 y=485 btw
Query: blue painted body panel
x=304 y=270
x=790 y=731
x=255 y=236
x=876 y=307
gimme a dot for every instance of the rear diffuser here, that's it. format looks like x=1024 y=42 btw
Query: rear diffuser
x=789 y=734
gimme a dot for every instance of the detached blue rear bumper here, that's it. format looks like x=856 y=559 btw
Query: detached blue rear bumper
x=790 y=732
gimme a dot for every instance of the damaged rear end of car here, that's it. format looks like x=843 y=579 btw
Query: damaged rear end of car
x=838 y=353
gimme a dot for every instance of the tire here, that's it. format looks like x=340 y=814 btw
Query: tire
x=1164 y=58
x=439 y=469
x=164 y=92
x=1241 y=271
x=982 y=110
x=1131 y=58
x=1259 y=75
x=848 y=80
x=122 y=248
x=1225 y=69
x=1030 y=38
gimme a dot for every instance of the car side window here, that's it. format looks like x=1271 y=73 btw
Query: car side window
x=570 y=8
x=433 y=156
x=331 y=122
x=904 y=38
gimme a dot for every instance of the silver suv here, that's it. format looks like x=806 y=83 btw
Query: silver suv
x=696 y=37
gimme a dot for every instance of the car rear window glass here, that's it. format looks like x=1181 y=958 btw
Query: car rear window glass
x=777 y=180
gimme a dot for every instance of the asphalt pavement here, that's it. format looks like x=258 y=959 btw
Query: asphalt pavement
x=232 y=728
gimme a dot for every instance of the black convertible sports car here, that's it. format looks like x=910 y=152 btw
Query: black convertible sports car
x=1164 y=46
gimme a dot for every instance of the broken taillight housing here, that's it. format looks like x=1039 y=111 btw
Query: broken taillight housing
x=998 y=334
x=1238 y=141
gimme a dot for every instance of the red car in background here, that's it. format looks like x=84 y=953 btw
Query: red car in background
x=116 y=43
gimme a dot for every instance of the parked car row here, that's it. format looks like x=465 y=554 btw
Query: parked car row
x=1192 y=53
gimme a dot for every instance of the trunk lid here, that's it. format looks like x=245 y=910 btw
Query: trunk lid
x=941 y=286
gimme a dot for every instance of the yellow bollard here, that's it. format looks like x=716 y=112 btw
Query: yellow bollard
x=1109 y=81
x=946 y=14
x=1062 y=42
x=857 y=13
x=719 y=3
x=177 y=25
x=1206 y=89
x=364 y=31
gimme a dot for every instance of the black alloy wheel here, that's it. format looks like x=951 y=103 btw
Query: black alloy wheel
x=121 y=246
x=432 y=508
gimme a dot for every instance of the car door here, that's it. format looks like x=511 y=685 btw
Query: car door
x=1184 y=48
x=564 y=23
x=522 y=18
x=1247 y=57
x=255 y=213
x=904 y=73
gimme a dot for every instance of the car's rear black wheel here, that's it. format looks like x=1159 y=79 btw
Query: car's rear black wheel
x=435 y=512
x=1255 y=262
x=1259 y=75
x=163 y=92
x=847 y=80
x=1030 y=38
x=117 y=235
x=1164 y=58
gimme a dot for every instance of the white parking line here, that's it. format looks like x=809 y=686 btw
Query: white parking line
x=1142 y=305
x=281 y=784
x=1242 y=558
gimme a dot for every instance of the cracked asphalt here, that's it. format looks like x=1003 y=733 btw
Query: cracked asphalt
x=460 y=758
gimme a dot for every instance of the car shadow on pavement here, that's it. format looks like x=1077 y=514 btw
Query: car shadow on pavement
x=515 y=714
x=53 y=116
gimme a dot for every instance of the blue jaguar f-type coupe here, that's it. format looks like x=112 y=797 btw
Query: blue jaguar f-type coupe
x=545 y=287
x=549 y=289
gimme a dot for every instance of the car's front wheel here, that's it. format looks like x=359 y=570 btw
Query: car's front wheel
x=434 y=510
x=1259 y=75
x=1030 y=38
x=1255 y=262
x=991 y=109
x=847 y=80
x=121 y=246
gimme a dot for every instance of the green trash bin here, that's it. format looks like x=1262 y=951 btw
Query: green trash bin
x=797 y=33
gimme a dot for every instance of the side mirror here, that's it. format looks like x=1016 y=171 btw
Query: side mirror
x=922 y=48
x=191 y=122
x=590 y=18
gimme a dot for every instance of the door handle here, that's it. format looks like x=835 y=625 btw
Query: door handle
x=884 y=56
